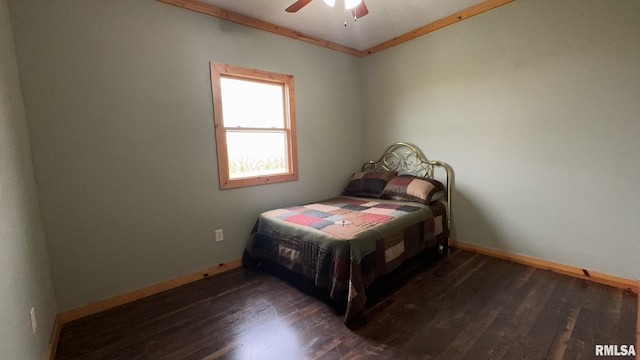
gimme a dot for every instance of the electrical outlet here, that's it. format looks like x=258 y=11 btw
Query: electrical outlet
x=32 y=316
x=219 y=235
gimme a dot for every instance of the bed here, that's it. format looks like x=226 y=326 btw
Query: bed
x=390 y=211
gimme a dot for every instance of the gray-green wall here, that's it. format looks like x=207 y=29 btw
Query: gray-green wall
x=536 y=105
x=25 y=277
x=118 y=95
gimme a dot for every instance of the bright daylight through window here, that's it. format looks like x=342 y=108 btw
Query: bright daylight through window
x=254 y=116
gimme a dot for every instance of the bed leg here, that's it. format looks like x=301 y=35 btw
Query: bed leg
x=444 y=247
x=248 y=262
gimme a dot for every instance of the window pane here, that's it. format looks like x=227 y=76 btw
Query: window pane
x=251 y=104
x=256 y=153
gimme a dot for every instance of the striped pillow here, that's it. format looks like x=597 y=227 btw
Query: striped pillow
x=413 y=188
x=368 y=184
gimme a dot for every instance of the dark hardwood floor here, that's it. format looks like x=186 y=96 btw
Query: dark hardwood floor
x=460 y=306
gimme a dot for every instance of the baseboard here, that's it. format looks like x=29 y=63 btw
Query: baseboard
x=102 y=305
x=590 y=275
x=53 y=340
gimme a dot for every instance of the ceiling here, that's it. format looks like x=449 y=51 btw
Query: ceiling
x=387 y=19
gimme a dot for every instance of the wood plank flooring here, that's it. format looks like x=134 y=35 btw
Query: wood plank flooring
x=459 y=306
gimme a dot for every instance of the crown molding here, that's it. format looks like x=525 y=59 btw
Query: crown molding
x=218 y=12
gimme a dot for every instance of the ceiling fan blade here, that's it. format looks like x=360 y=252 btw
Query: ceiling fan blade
x=360 y=10
x=297 y=5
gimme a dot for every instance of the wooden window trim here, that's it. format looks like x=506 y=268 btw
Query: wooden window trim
x=219 y=70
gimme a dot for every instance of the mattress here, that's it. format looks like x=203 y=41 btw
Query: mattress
x=343 y=244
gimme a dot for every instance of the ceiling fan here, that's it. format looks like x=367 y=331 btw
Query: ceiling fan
x=358 y=7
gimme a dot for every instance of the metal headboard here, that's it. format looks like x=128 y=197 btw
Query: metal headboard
x=405 y=158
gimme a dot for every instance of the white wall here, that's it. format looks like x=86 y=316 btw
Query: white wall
x=25 y=278
x=118 y=96
x=536 y=105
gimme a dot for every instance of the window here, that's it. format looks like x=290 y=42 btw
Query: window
x=254 y=117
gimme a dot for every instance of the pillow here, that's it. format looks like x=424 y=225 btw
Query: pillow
x=368 y=184
x=413 y=188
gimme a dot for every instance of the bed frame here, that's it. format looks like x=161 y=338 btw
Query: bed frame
x=405 y=158
x=345 y=269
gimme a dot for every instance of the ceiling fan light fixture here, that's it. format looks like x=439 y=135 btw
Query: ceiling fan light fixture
x=330 y=2
x=350 y=4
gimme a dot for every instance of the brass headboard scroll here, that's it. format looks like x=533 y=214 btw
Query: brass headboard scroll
x=405 y=158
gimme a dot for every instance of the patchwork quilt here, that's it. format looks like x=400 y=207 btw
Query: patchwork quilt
x=343 y=244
